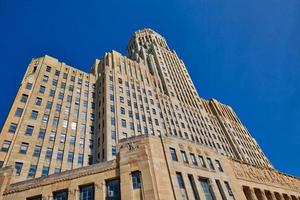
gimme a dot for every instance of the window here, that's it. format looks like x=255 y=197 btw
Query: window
x=219 y=166
x=23 y=148
x=184 y=158
x=52 y=136
x=42 y=133
x=113 y=151
x=113 y=189
x=55 y=121
x=38 y=197
x=86 y=192
x=65 y=123
x=57 y=73
x=24 y=98
x=194 y=187
x=5 y=146
x=48 y=105
x=80 y=159
x=42 y=89
x=45 y=171
x=18 y=168
x=34 y=114
x=18 y=112
x=228 y=189
x=32 y=170
x=72 y=140
x=48 y=69
x=45 y=118
x=121 y=99
x=28 y=86
x=45 y=78
x=136 y=179
x=210 y=164
x=48 y=153
x=73 y=125
x=122 y=110
x=173 y=154
x=113 y=122
x=124 y=135
x=29 y=130
x=193 y=158
x=206 y=188
x=12 y=128
x=60 y=195
x=38 y=101
x=59 y=155
x=70 y=157
x=62 y=138
x=180 y=180
x=220 y=188
x=202 y=161
x=65 y=76
x=123 y=122
x=58 y=108
x=52 y=93
x=37 y=151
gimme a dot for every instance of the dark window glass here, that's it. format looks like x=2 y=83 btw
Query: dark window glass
x=86 y=192
x=45 y=171
x=206 y=188
x=113 y=190
x=29 y=130
x=23 y=148
x=42 y=133
x=18 y=112
x=34 y=114
x=39 y=197
x=32 y=170
x=210 y=164
x=24 y=98
x=42 y=89
x=5 y=146
x=60 y=195
x=12 y=128
x=38 y=101
x=180 y=180
x=219 y=166
x=173 y=154
x=18 y=168
x=28 y=86
x=37 y=151
x=136 y=179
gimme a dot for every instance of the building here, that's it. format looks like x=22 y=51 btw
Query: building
x=132 y=128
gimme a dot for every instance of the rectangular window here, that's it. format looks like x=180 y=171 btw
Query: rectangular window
x=42 y=89
x=136 y=179
x=38 y=197
x=194 y=187
x=38 y=101
x=113 y=151
x=123 y=122
x=23 y=148
x=70 y=157
x=72 y=140
x=45 y=171
x=220 y=188
x=184 y=158
x=62 y=138
x=24 y=98
x=59 y=155
x=57 y=73
x=52 y=136
x=45 y=78
x=52 y=93
x=12 y=128
x=18 y=168
x=228 y=189
x=180 y=180
x=18 y=112
x=124 y=135
x=34 y=114
x=193 y=158
x=55 y=122
x=65 y=123
x=80 y=159
x=5 y=146
x=60 y=195
x=42 y=133
x=45 y=118
x=48 y=153
x=32 y=170
x=29 y=130
x=173 y=154
x=58 y=108
x=48 y=69
x=122 y=110
x=219 y=166
x=206 y=188
x=113 y=189
x=73 y=125
x=210 y=164
x=28 y=86
x=87 y=192
x=49 y=105
x=202 y=161
x=37 y=151
x=113 y=135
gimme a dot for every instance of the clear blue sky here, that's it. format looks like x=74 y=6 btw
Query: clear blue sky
x=245 y=53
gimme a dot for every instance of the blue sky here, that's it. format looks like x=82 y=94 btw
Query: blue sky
x=245 y=53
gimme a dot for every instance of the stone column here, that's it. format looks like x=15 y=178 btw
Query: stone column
x=252 y=194
x=263 y=195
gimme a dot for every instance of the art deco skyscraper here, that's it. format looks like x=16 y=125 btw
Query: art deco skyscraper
x=63 y=118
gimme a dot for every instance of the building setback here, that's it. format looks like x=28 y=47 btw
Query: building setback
x=132 y=128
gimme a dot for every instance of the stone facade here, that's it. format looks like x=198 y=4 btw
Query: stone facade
x=158 y=171
x=134 y=127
